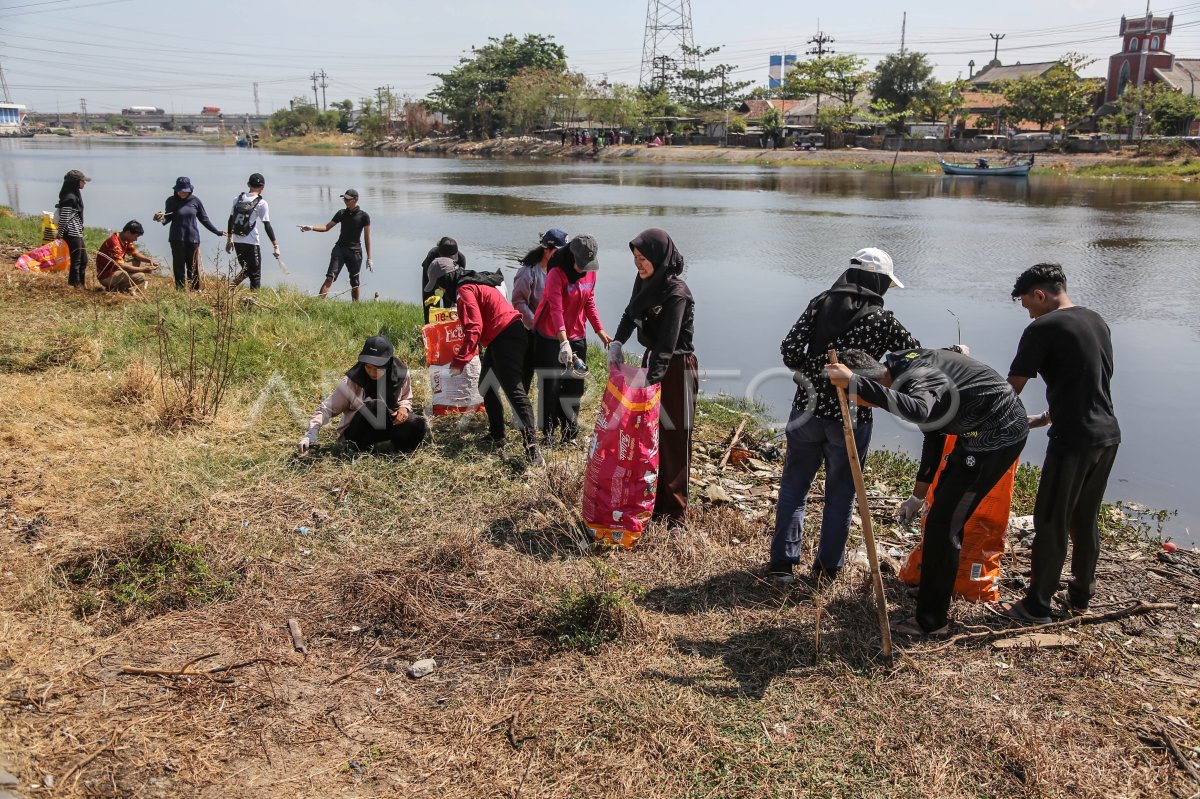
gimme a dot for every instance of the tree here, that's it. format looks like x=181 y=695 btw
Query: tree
x=1060 y=94
x=537 y=95
x=942 y=100
x=1170 y=112
x=707 y=88
x=771 y=122
x=737 y=125
x=473 y=93
x=345 y=111
x=837 y=77
x=900 y=80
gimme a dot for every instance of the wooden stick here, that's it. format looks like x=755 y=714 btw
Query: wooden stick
x=1136 y=609
x=1179 y=756
x=864 y=513
x=297 y=636
x=733 y=442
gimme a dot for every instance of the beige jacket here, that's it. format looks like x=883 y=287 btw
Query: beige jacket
x=347 y=399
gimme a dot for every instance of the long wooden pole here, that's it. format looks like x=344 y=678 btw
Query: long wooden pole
x=864 y=513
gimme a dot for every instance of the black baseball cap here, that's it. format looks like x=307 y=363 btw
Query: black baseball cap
x=76 y=174
x=256 y=180
x=377 y=351
x=584 y=248
x=352 y=193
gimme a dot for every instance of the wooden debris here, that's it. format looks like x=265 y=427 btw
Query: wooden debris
x=1036 y=641
x=297 y=637
x=1136 y=609
x=737 y=435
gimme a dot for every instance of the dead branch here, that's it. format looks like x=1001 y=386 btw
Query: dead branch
x=1173 y=747
x=511 y=733
x=737 y=436
x=1136 y=609
x=297 y=637
x=82 y=764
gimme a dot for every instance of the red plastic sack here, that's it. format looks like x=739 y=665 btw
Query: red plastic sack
x=983 y=540
x=451 y=394
x=622 y=469
x=52 y=257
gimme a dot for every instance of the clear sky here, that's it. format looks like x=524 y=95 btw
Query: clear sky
x=181 y=55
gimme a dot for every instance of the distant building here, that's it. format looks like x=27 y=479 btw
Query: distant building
x=12 y=119
x=1144 y=58
x=995 y=72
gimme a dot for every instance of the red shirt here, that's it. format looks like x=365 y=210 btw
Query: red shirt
x=484 y=313
x=111 y=253
x=565 y=305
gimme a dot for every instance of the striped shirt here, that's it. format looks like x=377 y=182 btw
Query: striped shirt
x=69 y=218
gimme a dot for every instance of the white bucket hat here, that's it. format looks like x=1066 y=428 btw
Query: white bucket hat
x=873 y=259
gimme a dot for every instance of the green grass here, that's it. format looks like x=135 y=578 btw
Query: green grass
x=1142 y=168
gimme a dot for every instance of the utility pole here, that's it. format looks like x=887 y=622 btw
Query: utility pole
x=996 y=50
x=662 y=67
x=316 y=100
x=82 y=114
x=903 y=29
x=323 y=85
x=256 y=98
x=820 y=41
x=383 y=93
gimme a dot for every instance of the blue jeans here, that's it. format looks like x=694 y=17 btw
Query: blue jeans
x=810 y=443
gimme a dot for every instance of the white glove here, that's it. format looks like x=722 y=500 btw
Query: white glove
x=276 y=249
x=370 y=265
x=962 y=349
x=615 y=356
x=565 y=355
x=911 y=508
x=303 y=445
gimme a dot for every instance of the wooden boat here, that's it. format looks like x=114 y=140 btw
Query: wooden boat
x=983 y=167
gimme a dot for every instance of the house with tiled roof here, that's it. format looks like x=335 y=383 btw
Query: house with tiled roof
x=1144 y=59
x=995 y=72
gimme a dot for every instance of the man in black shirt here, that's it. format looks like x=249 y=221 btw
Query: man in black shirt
x=355 y=222
x=1070 y=347
x=445 y=248
x=944 y=393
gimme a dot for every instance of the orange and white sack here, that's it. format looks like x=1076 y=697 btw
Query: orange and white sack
x=52 y=257
x=451 y=394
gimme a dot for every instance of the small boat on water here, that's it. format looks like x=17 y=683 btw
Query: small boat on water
x=983 y=166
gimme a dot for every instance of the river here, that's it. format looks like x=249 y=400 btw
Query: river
x=759 y=243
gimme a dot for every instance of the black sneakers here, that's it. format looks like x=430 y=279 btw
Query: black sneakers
x=535 y=456
x=780 y=572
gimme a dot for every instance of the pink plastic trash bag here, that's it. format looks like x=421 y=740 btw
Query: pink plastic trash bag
x=622 y=469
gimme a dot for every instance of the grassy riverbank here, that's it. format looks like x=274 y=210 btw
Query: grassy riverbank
x=141 y=533
x=1100 y=165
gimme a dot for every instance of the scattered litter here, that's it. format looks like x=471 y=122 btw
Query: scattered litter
x=716 y=495
x=1036 y=641
x=422 y=668
x=302 y=530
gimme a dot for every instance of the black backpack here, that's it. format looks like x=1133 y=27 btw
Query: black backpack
x=243 y=215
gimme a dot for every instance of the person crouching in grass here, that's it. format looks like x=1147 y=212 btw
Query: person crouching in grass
x=119 y=265
x=374 y=400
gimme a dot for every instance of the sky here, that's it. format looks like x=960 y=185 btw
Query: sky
x=181 y=56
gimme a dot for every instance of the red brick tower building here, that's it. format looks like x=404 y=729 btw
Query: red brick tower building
x=1143 y=50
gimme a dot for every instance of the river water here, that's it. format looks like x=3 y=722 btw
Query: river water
x=759 y=243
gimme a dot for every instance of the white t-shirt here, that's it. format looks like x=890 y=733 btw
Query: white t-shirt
x=261 y=214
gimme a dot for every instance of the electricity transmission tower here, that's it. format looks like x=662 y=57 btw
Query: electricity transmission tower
x=4 y=95
x=668 y=45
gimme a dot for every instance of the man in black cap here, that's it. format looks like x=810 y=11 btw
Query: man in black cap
x=355 y=222
x=249 y=209
x=375 y=402
x=944 y=393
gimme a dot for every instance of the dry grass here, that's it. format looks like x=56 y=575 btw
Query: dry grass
x=705 y=681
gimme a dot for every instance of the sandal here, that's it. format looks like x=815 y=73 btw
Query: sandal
x=1015 y=611
x=1063 y=600
x=910 y=628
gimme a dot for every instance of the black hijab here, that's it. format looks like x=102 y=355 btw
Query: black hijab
x=386 y=388
x=855 y=295
x=564 y=259
x=656 y=245
x=70 y=191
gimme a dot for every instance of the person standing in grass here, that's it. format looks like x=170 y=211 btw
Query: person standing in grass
x=849 y=315
x=528 y=287
x=568 y=301
x=182 y=211
x=1070 y=347
x=662 y=311
x=70 y=223
x=374 y=400
x=489 y=321
x=445 y=248
x=346 y=252
x=249 y=209
x=119 y=265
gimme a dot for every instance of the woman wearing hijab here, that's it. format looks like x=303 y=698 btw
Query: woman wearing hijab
x=662 y=310
x=70 y=223
x=560 y=336
x=849 y=315
x=375 y=402
x=182 y=211
x=445 y=248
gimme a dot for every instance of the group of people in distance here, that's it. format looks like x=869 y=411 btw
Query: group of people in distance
x=946 y=392
x=541 y=334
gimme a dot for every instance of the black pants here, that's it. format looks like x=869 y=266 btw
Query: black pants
x=965 y=481
x=373 y=425
x=558 y=394
x=183 y=264
x=676 y=418
x=502 y=369
x=250 y=260
x=79 y=260
x=1067 y=510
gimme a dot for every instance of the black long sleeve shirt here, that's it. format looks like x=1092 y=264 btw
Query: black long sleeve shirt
x=665 y=331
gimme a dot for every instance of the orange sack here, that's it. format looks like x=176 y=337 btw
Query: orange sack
x=983 y=540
